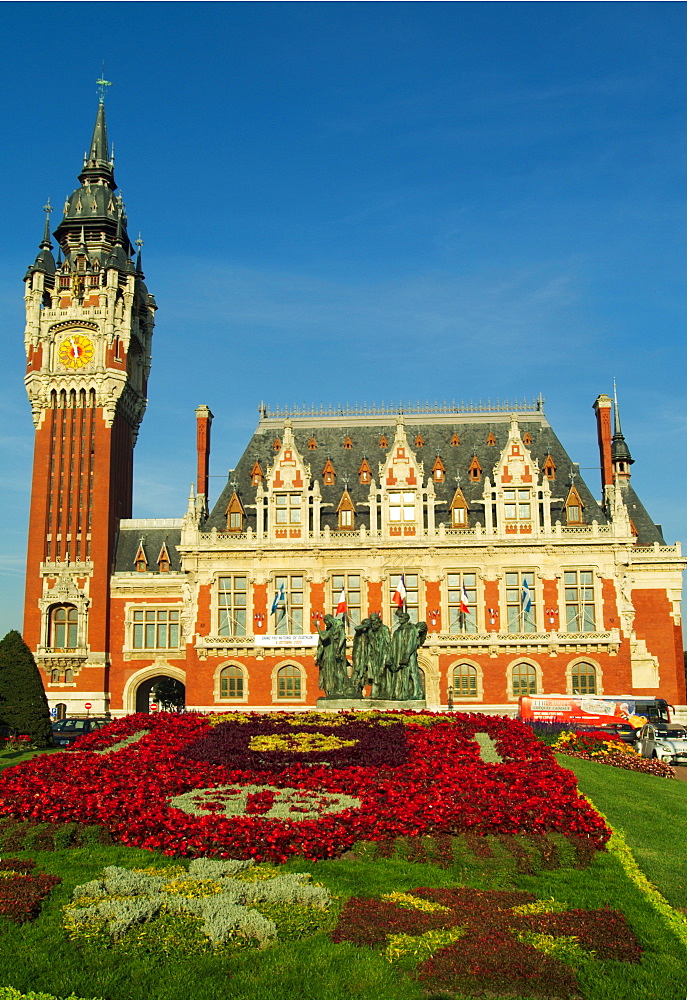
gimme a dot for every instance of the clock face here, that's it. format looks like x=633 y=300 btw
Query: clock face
x=75 y=351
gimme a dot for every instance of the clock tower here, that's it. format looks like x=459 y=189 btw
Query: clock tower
x=89 y=325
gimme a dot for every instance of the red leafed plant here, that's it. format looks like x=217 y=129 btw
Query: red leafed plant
x=400 y=775
x=22 y=893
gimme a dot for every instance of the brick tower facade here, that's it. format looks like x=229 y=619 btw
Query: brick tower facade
x=89 y=324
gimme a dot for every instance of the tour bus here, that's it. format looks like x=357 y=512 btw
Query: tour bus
x=606 y=710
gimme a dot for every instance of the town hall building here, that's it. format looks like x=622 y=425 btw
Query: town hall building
x=530 y=582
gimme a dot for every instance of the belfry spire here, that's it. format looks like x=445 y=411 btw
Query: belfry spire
x=98 y=164
x=620 y=453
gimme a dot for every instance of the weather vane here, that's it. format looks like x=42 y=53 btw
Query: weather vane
x=102 y=84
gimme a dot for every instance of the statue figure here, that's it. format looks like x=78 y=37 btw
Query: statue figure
x=370 y=655
x=405 y=683
x=331 y=658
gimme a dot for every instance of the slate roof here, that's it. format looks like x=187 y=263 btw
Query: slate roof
x=472 y=430
x=129 y=539
x=647 y=531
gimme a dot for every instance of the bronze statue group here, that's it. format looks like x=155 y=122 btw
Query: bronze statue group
x=384 y=661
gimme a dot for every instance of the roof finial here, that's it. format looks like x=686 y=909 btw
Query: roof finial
x=102 y=84
x=139 y=243
x=46 y=244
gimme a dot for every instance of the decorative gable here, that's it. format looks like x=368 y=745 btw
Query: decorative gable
x=276 y=444
x=383 y=443
x=365 y=472
x=438 y=470
x=348 y=444
x=312 y=444
x=455 y=440
x=401 y=468
x=491 y=440
x=527 y=438
x=516 y=466
x=289 y=473
x=419 y=441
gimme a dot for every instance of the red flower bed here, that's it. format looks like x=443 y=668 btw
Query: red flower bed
x=488 y=957
x=428 y=778
x=21 y=893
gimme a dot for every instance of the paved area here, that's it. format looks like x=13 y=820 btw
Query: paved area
x=681 y=772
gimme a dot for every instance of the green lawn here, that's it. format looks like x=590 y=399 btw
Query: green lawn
x=652 y=814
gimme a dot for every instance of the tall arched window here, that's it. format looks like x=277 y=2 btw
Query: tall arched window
x=289 y=681
x=64 y=620
x=524 y=680
x=583 y=678
x=464 y=681
x=231 y=682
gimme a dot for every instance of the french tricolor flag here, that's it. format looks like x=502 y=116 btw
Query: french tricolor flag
x=464 y=608
x=399 y=596
x=341 y=609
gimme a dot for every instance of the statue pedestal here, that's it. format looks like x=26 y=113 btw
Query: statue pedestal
x=368 y=705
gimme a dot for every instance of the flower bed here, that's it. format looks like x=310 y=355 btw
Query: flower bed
x=21 y=892
x=266 y=787
x=472 y=940
x=593 y=746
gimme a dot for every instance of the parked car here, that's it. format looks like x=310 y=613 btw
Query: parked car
x=67 y=730
x=663 y=741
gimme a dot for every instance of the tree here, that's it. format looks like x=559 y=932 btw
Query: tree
x=169 y=693
x=23 y=705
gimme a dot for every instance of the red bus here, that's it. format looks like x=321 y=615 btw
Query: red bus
x=602 y=710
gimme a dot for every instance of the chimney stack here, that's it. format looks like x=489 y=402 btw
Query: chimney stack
x=602 y=407
x=203 y=424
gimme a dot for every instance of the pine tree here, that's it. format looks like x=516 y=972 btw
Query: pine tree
x=23 y=705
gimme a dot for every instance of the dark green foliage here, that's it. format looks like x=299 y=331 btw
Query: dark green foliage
x=23 y=705
x=169 y=693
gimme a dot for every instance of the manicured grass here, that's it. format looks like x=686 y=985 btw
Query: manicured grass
x=39 y=956
x=651 y=813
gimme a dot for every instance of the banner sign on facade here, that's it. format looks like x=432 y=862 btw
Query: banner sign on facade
x=286 y=640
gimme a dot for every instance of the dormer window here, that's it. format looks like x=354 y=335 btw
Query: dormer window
x=346 y=512
x=234 y=513
x=419 y=441
x=383 y=443
x=475 y=470
x=348 y=444
x=573 y=507
x=438 y=470
x=312 y=444
x=491 y=440
x=140 y=561
x=549 y=467
x=365 y=472
x=276 y=444
x=329 y=473
x=527 y=438
x=256 y=474
x=459 y=510
x=163 y=560
x=455 y=440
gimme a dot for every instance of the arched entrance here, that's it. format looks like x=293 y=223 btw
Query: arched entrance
x=138 y=690
x=167 y=692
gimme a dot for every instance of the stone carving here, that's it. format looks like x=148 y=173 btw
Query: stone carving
x=405 y=683
x=371 y=647
x=331 y=658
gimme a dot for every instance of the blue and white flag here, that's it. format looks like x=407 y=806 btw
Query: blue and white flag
x=279 y=600
x=526 y=597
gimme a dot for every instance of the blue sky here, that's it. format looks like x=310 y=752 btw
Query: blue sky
x=349 y=202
